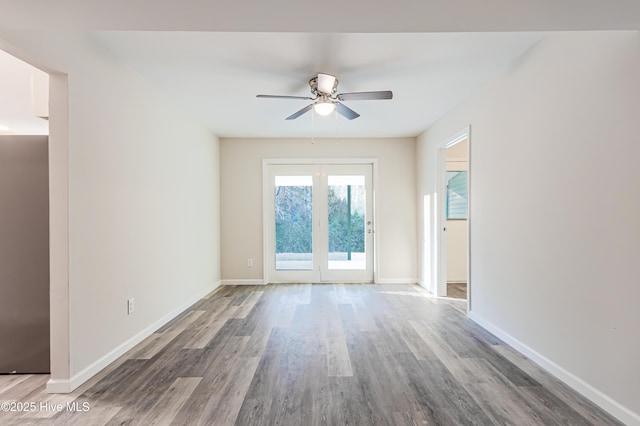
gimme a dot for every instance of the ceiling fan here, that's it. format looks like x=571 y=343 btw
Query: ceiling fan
x=325 y=100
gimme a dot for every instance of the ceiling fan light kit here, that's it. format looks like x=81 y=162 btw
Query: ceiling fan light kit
x=324 y=108
x=325 y=101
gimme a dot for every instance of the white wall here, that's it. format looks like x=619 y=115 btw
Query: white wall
x=457 y=251
x=555 y=235
x=143 y=203
x=241 y=176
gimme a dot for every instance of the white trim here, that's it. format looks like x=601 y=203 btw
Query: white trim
x=58 y=386
x=456 y=160
x=458 y=137
x=324 y=282
x=423 y=284
x=376 y=242
x=439 y=234
x=397 y=281
x=69 y=385
x=244 y=282
x=605 y=402
x=468 y=222
x=266 y=235
x=319 y=161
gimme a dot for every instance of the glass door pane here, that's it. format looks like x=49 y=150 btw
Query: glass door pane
x=294 y=222
x=346 y=198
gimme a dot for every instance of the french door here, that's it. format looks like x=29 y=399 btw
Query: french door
x=319 y=223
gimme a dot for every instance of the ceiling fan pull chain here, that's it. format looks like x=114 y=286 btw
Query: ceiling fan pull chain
x=313 y=129
x=335 y=114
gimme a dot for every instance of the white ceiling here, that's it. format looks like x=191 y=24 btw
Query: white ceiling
x=216 y=76
x=213 y=57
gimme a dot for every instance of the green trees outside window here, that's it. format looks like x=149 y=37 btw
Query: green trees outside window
x=294 y=221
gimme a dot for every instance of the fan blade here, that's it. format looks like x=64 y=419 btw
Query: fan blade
x=306 y=98
x=299 y=113
x=325 y=83
x=365 y=96
x=346 y=111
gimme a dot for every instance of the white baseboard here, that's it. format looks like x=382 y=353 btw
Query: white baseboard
x=423 y=284
x=58 y=386
x=605 y=402
x=380 y=281
x=69 y=385
x=244 y=282
x=397 y=281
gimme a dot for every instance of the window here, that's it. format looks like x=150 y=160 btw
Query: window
x=457 y=195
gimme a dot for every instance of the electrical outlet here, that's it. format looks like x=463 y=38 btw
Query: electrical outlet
x=131 y=306
x=250 y=262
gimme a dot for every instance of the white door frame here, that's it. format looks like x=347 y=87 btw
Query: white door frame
x=440 y=261
x=267 y=231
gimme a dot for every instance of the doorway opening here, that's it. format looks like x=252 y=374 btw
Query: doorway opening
x=24 y=209
x=453 y=217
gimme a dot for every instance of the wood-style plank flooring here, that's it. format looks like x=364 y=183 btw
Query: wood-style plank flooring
x=457 y=290
x=315 y=355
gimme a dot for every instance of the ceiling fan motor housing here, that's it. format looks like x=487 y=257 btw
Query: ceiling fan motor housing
x=313 y=83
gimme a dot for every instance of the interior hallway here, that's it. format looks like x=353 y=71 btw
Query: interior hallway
x=315 y=354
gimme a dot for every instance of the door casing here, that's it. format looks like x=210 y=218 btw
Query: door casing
x=440 y=260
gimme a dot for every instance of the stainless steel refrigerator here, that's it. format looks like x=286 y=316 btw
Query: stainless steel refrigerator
x=24 y=255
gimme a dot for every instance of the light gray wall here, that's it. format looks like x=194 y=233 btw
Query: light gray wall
x=24 y=254
x=555 y=202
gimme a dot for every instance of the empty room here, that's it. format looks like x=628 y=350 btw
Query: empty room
x=342 y=213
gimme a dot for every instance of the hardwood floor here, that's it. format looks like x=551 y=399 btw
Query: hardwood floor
x=314 y=355
x=457 y=290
